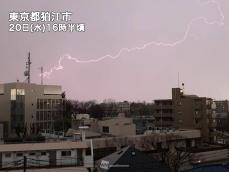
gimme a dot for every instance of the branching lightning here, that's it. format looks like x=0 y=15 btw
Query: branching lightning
x=220 y=22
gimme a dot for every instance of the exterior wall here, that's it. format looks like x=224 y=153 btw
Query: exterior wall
x=66 y=160
x=41 y=160
x=163 y=113
x=222 y=115
x=210 y=156
x=119 y=126
x=33 y=92
x=193 y=112
x=53 y=158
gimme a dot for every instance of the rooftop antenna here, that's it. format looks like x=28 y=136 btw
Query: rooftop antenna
x=178 y=80
x=42 y=75
x=27 y=71
x=183 y=87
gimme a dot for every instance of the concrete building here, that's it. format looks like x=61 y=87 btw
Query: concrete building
x=163 y=113
x=117 y=126
x=46 y=154
x=193 y=112
x=109 y=126
x=186 y=112
x=124 y=107
x=222 y=115
x=30 y=106
x=143 y=123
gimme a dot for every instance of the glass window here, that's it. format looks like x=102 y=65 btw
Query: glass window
x=45 y=104
x=19 y=154
x=53 y=104
x=66 y=153
x=8 y=155
x=49 y=104
x=38 y=103
x=49 y=115
x=21 y=92
x=38 y=116
x=41 y=115
x=32 y=154
x=45 y=115
x=41 y=104
x=43 y=153
x=13 y=94
x=105 y=129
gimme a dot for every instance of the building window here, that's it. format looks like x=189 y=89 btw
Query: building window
x=7 y=155
x=13 y=94
x=32 y=154
x=41 y=116
x=41 y=104
x=38 y=116
x=20 y=92
x=105 y=129
x=19 y=154
x=88 y=151
x=66 y=153
x=43 y=153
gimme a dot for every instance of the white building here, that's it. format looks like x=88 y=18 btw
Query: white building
x=117 y=126
x=45 y=154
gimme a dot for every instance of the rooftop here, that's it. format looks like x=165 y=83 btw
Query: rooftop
x=42 y=146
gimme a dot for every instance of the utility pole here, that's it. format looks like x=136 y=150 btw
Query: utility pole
x=25 y=164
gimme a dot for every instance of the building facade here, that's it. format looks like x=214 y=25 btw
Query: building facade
x=193 y=112
x=45 y=154
x=186 y=112
x=163 y=113
x=117 y=126
x=29 y=106
x=222 y=115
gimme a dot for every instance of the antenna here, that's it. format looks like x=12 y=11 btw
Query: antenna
x=27 y=71
x=42 y=74
x=183 y=87
x=178 y=80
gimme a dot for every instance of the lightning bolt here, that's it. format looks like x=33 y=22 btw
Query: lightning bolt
x=220 y=22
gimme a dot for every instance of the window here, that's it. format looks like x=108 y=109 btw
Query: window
x=41 y=116
x=88 y=151
x=20 y=92
x=8 y=155
x=13 y=94
x=43 y=153
x=41 y=104
x=32 y=154
x=49 y=115
x=38 y=116
x=105 y=129
x=19 y=154
x=45 y=115
x=66 y=153
x=38 y=103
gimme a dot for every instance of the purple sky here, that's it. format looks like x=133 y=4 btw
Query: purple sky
x=202 y=60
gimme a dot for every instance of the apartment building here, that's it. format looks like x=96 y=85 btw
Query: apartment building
x=193 y=112
x=29 y=106
x=186 y=112
x=163 y=113
x=222 y=115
